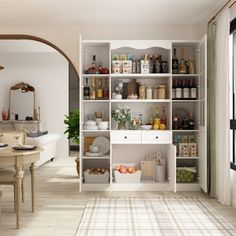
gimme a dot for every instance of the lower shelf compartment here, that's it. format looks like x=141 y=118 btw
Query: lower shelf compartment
x=188 y=187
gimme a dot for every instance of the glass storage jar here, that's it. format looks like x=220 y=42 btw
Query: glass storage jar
x=162 y=91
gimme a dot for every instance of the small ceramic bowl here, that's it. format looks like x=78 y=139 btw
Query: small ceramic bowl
x=90 y=127
x=94 y=148
x=146 y=127
x=90 y=123
x=103 y=125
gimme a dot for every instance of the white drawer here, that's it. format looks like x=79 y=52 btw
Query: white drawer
x=126 y=137
x=161 y=137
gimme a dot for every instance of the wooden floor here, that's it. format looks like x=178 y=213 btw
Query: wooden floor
x=59 y=205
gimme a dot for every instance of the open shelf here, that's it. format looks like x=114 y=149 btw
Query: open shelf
x=186 y=100
x=187 y=158
x=141 y=100
x=95 y=75
x=140 y=75
x=185 y=75
x=88 y=101
x=185 y=130
x=106 y=157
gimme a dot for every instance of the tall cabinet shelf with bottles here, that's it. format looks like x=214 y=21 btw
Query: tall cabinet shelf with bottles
x=147 y=154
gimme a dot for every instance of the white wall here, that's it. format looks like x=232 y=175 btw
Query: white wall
x=48 y=73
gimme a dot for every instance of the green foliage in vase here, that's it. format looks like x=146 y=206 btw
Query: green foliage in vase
x=73 y=127
x=122 y=114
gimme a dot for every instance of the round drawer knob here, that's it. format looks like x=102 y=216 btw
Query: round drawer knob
x=125 y=137
x=156 y=137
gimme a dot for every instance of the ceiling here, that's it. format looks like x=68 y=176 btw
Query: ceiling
x=108 y=11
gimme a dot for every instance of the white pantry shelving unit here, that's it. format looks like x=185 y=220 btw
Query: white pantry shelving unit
x=131 y=146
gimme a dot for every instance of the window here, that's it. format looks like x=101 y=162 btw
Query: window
x=232 y=51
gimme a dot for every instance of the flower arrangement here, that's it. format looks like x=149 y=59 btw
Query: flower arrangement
x=122 y=114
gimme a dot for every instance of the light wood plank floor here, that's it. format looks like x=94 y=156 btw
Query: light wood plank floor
x=59 y=205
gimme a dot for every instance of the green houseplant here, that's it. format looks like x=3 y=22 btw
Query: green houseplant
x=73 y=130
x=73 y=127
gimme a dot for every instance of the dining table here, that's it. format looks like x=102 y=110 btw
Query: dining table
x=19 y=159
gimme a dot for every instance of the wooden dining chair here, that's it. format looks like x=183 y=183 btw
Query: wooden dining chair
x=7 y=178
x=7 y=174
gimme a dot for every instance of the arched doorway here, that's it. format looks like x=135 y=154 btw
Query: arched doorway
x=45 y=99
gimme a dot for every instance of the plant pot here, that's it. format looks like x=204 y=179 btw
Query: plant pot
x=77 y=165
x=121 y=126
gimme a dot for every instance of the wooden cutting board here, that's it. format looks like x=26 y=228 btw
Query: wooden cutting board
x=147 y=168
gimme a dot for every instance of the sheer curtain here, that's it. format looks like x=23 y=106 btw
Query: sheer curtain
x=211 y=111
x=222 y=108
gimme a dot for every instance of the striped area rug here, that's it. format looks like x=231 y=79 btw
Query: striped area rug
x=134 y=216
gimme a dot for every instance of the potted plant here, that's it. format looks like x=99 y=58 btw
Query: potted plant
x=73 y=130
x=122 y=116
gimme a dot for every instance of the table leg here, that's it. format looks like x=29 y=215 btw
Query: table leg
x=18 y=179
x=32 y=168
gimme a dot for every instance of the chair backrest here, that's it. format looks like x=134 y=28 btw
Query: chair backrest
x=12 y=137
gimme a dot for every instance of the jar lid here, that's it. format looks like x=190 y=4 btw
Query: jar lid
x=161 y=86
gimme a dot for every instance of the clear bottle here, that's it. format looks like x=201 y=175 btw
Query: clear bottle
x=86 y=90
x=106 y=90
x=99 y=90
x=157 y=120
x=175 y=63
x=92 y=89
x=163 y=118
x=94 y=62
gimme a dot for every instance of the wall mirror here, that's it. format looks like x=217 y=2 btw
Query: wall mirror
x=22 y=102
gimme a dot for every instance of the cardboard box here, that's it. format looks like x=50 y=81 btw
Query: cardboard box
x=127 y=67
x=183 y=150
x=192 y=149
x=144 y=67
x=116 y=67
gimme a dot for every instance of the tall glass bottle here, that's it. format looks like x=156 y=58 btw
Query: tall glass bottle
x=94 y=63
x=92 y=90
x=178 y=91
x=163 y=118
x=175 y=63
x=174 y=90
x=99 y=90
x=86 y=91
x=186 y=90
x=106 y=90
x=182 y=65
x=193 y=90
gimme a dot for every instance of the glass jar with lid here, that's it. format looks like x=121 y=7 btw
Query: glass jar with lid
x=149 y=92
x=142 y=91
x=155 y=92
x=162 y=91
